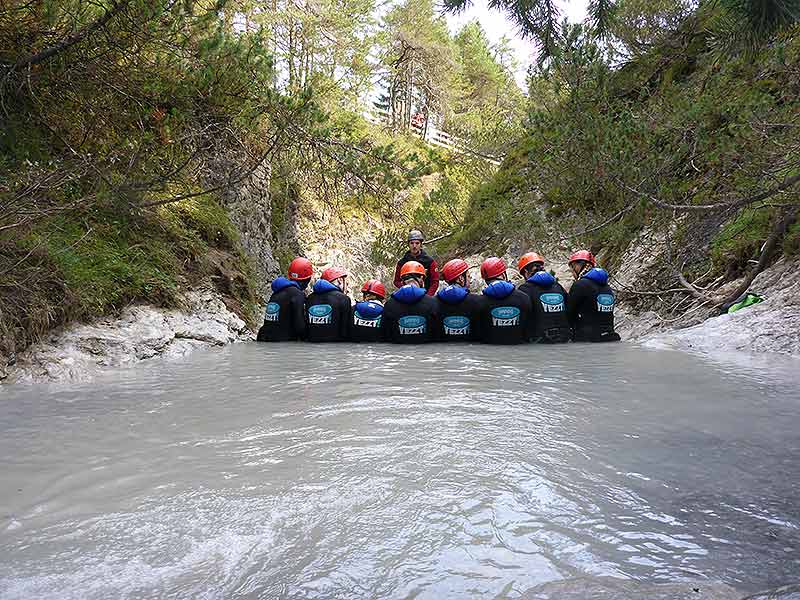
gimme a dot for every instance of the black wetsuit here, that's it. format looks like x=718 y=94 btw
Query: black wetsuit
x=505 y=316
x=549 y=300
x=366 y=323
x=431 y=271
x=590 y=308
x=410 y=316
x=284 y=317
x=459 y=313
x=327 y=314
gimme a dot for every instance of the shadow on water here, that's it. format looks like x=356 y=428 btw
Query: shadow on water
x=291 y=471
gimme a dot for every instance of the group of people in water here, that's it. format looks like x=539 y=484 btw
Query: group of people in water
x=540 y=310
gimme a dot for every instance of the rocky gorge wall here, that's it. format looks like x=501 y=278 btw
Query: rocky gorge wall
x=207 y=312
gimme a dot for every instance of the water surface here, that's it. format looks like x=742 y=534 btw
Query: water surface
x=298 y=471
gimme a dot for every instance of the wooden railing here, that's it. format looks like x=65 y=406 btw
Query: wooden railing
x=433 y=136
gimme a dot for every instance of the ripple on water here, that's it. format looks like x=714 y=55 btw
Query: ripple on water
x=282 y=471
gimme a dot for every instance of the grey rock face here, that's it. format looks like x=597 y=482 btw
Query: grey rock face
x=773 y=326
x=610 y=588
x=249 y=205
x=787 y=592
x=139 y=333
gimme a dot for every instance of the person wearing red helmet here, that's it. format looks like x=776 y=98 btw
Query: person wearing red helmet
x=548 y=299
x=328 y=308
x=458 y=309
x=505 y=315
x=284 y=318
x=590 y=307
x=580 y=262
x=365 y=325
x=410 y=315
x=418 y=254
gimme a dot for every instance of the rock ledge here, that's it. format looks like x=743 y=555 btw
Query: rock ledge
x=139 y=333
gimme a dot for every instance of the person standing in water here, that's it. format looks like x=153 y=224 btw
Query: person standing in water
x=328 y=308
x=368 y=314
x=458 y=309
x=410 y=316
x=590 y=306
x=548 y=299
x=417 y=254
x=505 y=311
x=284 y=318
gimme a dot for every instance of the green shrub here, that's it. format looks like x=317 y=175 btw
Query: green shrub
x=739 y=240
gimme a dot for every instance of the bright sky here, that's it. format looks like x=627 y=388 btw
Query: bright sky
x=497 y=25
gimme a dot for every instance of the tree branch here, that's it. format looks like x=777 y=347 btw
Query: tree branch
x=221 y=186
x=778 y=231
x=784 y=185
x=47 y=53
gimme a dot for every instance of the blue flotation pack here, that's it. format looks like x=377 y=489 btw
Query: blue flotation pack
x=323 y=286
x=499 y=289
x=408 y=294
x=453 y=294
x=281 y=283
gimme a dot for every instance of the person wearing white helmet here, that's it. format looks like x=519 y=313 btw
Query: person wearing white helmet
x=418 y=254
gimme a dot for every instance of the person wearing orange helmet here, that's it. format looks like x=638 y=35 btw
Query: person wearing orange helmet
x=418 y=254
x=530 y=263
x=458 y=309
x=548 y=299
x=505 y=316
x=284 y=318
x=365 y=325
x=328 y=308
x=590 y=307
x=410 y=315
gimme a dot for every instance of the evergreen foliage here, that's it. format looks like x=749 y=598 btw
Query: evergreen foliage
x=677 y=129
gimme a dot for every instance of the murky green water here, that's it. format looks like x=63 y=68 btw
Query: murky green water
x=292 y=471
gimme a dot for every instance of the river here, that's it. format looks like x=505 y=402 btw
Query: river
x=340 y=471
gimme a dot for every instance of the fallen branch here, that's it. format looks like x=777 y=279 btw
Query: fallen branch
x=691 y=289
x=778 y=231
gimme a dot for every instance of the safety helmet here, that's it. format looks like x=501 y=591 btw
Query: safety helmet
x=415 y=234
x=528 y=258
x=452 y=269
x=582 y=255
x=493 y=267
x=300 y=269
x=373 y=286
x=412 y=267
x=333 y=273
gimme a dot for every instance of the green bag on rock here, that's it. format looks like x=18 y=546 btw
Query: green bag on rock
x=748 y=300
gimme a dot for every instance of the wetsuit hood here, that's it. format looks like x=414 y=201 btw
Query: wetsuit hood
x=281 y=283
x=369 y=309
x=597 y=275
x=453 y=294
x=542 y=278
x=408 y=294
x=323 y=286
x=499 y=289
